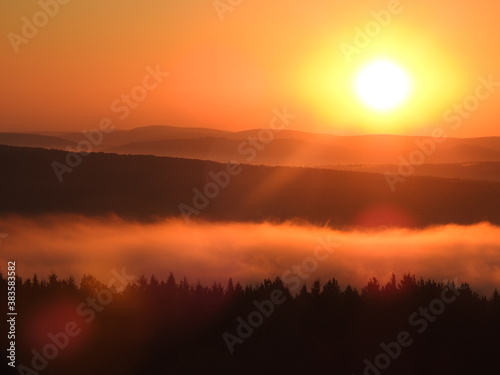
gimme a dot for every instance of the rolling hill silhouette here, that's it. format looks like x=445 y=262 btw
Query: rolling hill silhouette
x=288 y=147
x=149 y=187
x=35 y=140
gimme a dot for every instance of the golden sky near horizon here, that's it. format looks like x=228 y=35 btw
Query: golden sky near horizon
x=68 y=66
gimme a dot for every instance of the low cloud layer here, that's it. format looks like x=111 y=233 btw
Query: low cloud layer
x=208 y=252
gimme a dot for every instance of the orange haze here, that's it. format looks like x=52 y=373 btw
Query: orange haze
x=72 y=245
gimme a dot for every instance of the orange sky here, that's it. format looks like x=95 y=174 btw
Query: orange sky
x=231 y=73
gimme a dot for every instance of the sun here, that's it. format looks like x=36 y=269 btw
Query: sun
x=382 y=85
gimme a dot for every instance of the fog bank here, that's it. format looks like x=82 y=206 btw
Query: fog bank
x=208 y=252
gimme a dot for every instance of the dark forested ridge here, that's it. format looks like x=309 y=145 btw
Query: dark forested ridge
x=171 y=326
x=148 y=187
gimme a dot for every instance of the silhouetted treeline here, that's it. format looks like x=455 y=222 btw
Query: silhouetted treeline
x=171 y=326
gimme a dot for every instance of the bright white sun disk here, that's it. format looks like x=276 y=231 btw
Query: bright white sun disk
x=382 y=85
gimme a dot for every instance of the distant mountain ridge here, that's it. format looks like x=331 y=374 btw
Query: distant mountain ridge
x=287 y=148
x=35 y=140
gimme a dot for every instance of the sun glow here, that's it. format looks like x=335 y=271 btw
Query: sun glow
x=382 y=85
x=386 y=88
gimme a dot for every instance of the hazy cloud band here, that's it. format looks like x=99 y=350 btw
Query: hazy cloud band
x=208 y=252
